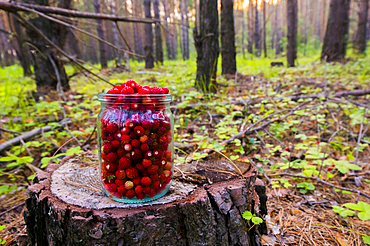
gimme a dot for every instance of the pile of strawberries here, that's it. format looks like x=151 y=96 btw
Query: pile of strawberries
x=135 y=143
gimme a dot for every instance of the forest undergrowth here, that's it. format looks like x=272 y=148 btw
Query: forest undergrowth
x=305 y=129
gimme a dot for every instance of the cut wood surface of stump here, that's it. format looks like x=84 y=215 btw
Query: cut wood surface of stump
x=66 y=206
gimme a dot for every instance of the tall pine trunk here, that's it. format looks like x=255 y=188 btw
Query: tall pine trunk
x=173 y=29
x=323 y=20
x=158 y=34
x=99 y=27
x=336 y=36
x=243 y=32
x=228 y=37
x=264 y=29
x=149 y=59
x=115 y=33
x=47 y=67
x=184 y=29
x=91 y=45
x=278 y=31
x=292 y=20
x=205 y=36
x=137 y=34
x=6 y=46
x=250 y=28
x=257 y=33
x=360 y=41
x=168 y=35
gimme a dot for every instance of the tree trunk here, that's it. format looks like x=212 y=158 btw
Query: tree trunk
x=149 y=59
x=336 y=36
x=186 y=30
x=273 y=28
x=257 y=33
x=250 y=28
x=243 y=32
x=168 y=35
x=102 y=48
x=173 y=30
x=115 y=33
x=360 y=42
x=228 y=53
x=73 y=45
x=206 y=45
x=306 y=9
x=292 y=21
x=46 y=75
x=278 y=33
x=91 y=45
x=158 y=34
x=60 y=212
x=21 y=47
x=264 y=29
x=137 y=34
x=7 y=49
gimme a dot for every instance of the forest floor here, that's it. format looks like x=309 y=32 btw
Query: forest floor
x=306 y=129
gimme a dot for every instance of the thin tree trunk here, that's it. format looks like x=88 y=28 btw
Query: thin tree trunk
x=91 y=44
x=336 y=36
x=168 y=35
x=206 y=45
x=5 y=44
x=21 y=48
x=264 y=29
x=243 y=31
x=149 y=59
x=137 y=34
x=73 y=45
x=360 y=43
x=368 y=28
x=187 y=53
x=250 y=28
x=278 y=33
x=174 y=30
x=228 y=37
x=115 y=33
x=182 y=28
x=292 y=21
x=273 y=28
x=257 y=33
x=323 y=20
x=102 y=48
x=158 y=34
x=307 y=20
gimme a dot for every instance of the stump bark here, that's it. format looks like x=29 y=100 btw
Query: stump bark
x=204 y=206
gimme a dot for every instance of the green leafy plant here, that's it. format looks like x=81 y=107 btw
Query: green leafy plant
x=247 y=215
x=304 y=187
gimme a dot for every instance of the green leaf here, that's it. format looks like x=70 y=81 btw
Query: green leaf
x=257 y=220
x=354 y=206
x=2 y=227
x=247 y=215
x=366 y=239
x=75 y=150
x=343 y=212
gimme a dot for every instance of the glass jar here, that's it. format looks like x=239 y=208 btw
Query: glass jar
x=136 y=150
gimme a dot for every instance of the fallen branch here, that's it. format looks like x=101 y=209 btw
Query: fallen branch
x=9 y=131
x=24 y=136
x=324 y=182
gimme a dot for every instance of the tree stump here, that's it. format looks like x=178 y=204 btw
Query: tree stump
x=65 y=206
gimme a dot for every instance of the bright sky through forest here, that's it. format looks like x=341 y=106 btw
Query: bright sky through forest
x=244 y=4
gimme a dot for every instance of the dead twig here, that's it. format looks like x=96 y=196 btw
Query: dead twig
x=360 y=136
x=255 y=165
x=10 y=131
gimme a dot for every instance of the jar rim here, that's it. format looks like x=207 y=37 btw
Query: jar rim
x=104 y=97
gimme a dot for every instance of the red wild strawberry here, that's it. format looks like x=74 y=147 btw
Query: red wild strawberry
x=119 y=182
x=156 y=90
x=110 y=167
x=146 y=190
x=136 y=118
x=152 y=169
x=143 y=91
x=107 y=148
x=117 y=135
x=287 y=149
x=120 y=153
x=115 y=144
x=125 y=130
x=135 y=154
x=163 y=140
x=165 y=90
x=151 y=193
x=155 y=125
x=130 y=123
x=154 y=135
x=329 y=169
x=124 y=163
x=164 y=146
x=130 y=194
x=140 y=196
x=135 y=143
x=121 y=189
x=112 y=128
x=166 y=124
x=128 y=147
x=163 y=162
x=333 y=165
x=131 y=83
x=112 y=157
x=157 y=185
x=138 y=189
x=167 y=173
x=139 y=130
x=144 y=139
x=127 y=90
x=147 y=163
x=135 y=106
x=132 y=173
x=104 y=156
x=157 y=162
x=121 y=174
x=125 y=139
x=110 y=178
x=157 y=153
x=146 y=132
x=154 y=177
x=148 y=154
x=129 y=185
x=146 y=124
x=144 y=147
x=140 y=167
x=110 y=137
x=145 y=181
x=168 y=180
x=111 y=187
x=136 y=180
x=111 y=91
x=168 y=155
x=168 y=166
x=162 y=130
